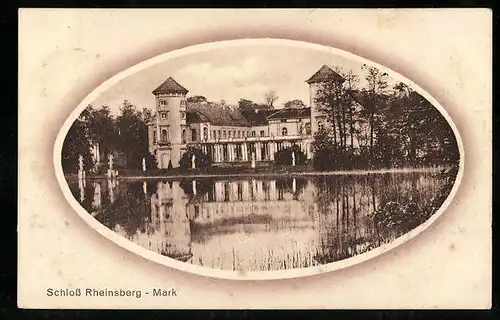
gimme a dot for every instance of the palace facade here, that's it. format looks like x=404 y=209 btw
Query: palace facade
x=227 y=133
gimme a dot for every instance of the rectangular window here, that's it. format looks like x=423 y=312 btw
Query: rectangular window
x=229 y=134
x=154 y=136
x=261 y=133
x=163 y=103
x=253 y=133
x=218 y=133
x=183 y=115
x=234 y=133
x=224 y=134
x=213 y=135
x=239 y=133
x=164 y=115
x=283 y=120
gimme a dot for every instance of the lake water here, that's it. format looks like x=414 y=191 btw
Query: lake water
x=264 y=223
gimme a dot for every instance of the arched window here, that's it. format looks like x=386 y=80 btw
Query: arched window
x=193 y=134
x=183 y=135
x=164 y=135
x=284 y=131
x=205 y=133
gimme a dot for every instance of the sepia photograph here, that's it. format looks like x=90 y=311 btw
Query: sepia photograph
x=261 y=156
x=254 y=159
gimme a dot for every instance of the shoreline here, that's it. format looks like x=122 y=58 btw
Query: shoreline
x=188 y=175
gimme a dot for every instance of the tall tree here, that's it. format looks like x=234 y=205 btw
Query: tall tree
x=246 y=105
x=270 y=98
x=374 y=97
x=76 y=143
x=132 y=134
x=101 y=129
x=294 y=104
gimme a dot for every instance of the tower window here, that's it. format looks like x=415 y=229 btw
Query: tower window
x=163 y=103
x=164 y=135
x=164 y=115
x=308 y=128
x=284 y=131
x=183 y=115
x=154 y=136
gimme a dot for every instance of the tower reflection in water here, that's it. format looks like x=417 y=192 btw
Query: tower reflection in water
x=256 y=224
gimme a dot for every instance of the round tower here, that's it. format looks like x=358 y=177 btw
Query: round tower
x=170 y=119
x=324 y=74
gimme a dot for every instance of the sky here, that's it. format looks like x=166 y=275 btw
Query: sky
x=230 y=73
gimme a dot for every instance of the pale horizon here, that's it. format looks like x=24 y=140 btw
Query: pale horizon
x=230 y=74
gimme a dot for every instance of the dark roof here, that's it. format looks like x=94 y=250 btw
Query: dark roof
x=325 y=73
x=215 y=114
x=195 y=117
x=290 y=113
x=170 y=86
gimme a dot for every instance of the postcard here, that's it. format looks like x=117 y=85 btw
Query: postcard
x=241 y=159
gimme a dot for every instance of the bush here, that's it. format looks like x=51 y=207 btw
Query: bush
x=202 y=160
x=284 y=156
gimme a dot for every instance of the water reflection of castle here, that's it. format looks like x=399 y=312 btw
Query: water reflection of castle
x=202 y=221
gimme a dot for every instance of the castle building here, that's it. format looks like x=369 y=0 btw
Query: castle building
x=226 y=133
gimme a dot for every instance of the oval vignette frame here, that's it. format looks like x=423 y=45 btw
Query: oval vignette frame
x=249 y=275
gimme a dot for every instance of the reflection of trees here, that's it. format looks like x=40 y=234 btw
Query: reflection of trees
x=131 y=209
x=357 y=216
x=203 y=186
x=398 y=216
x=340 y=201
x=287 y=185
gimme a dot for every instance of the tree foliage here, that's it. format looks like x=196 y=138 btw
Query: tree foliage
x=294 y=104
x=202 y=160
x=378 y=126
x=76 y=144
x=125 y=134
x=196 y=99
x=284 y=156
x=270 y=98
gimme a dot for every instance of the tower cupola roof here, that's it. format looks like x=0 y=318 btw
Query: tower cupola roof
x=325 y=73
x=170 y=86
